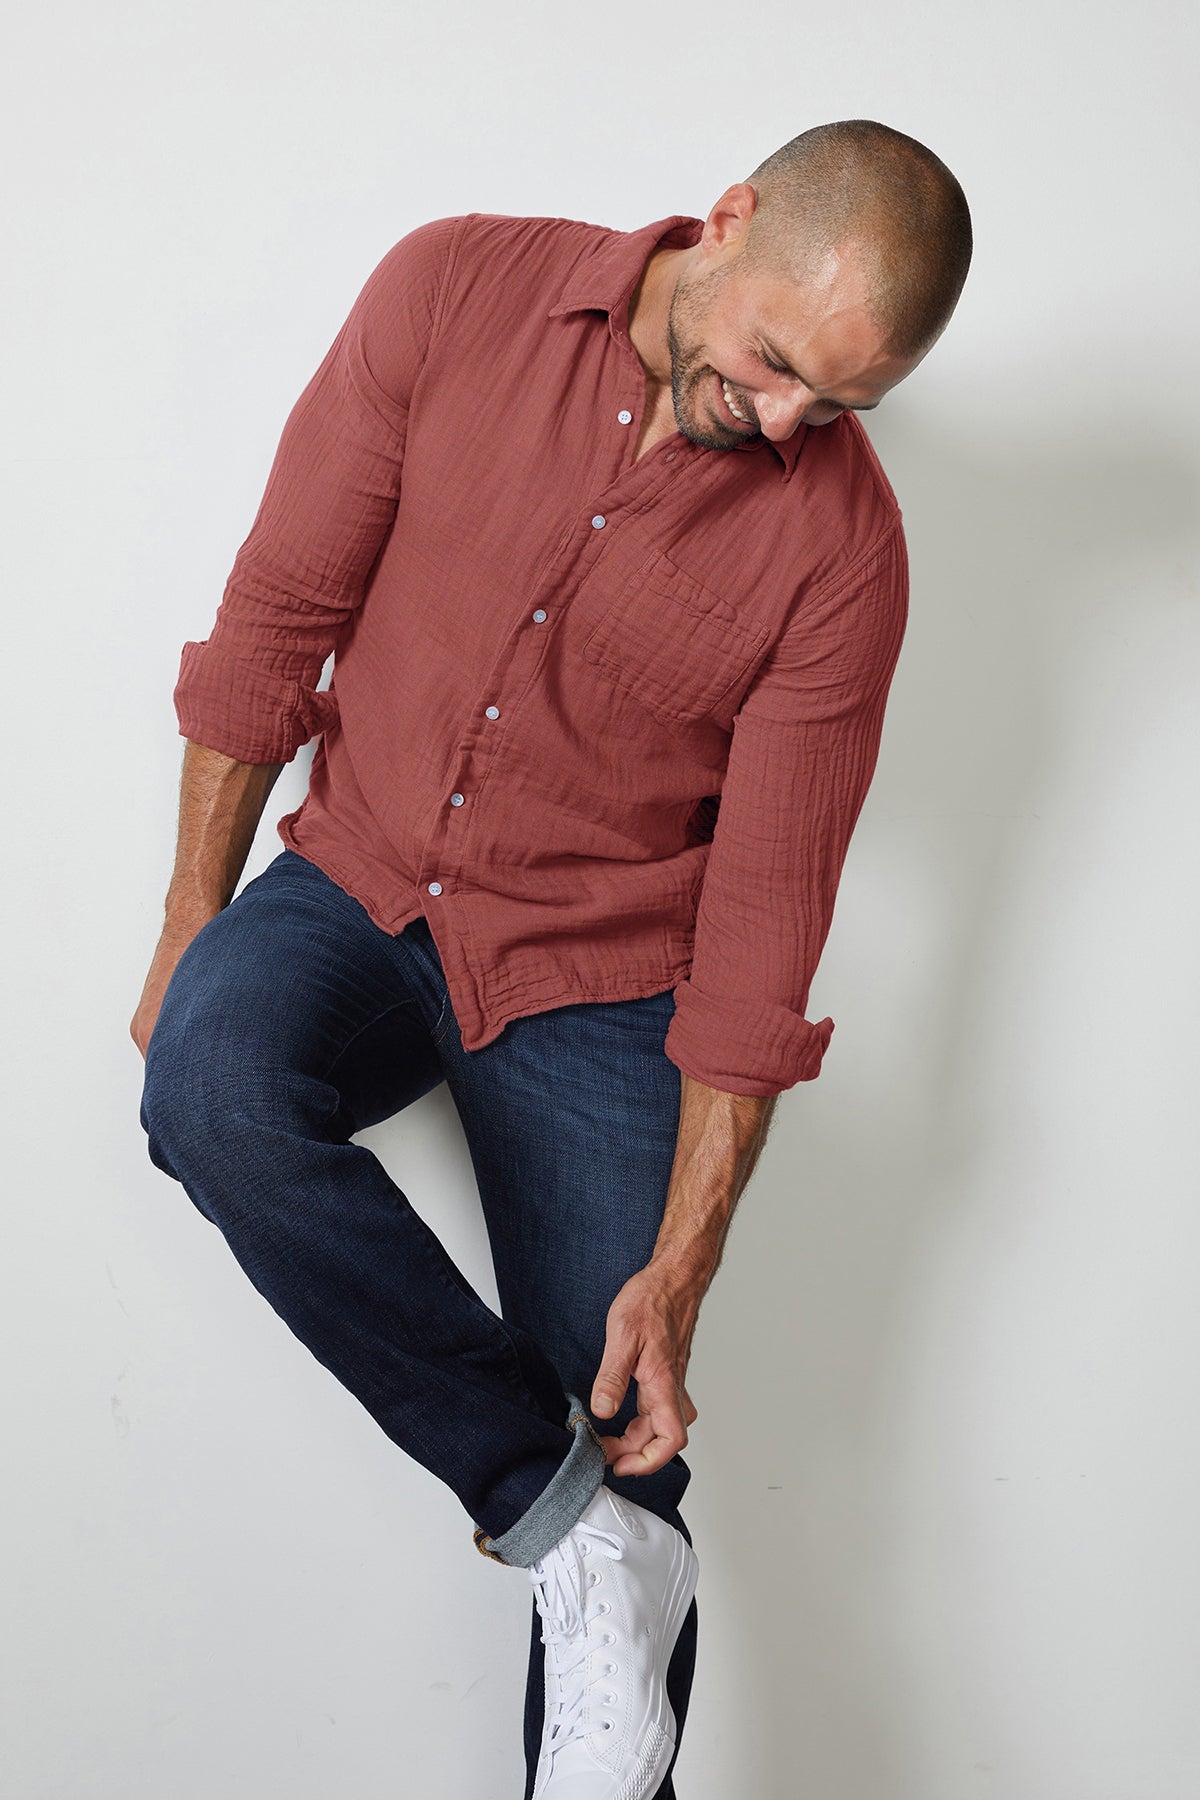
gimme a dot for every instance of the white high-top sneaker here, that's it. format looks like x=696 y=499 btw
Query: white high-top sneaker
x=613 y=1595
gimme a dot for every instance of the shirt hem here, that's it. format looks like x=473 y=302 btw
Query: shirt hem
x=349 y=885
x=595 y=994
x=627 y=986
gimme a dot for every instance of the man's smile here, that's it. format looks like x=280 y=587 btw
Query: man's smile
x=739 y=418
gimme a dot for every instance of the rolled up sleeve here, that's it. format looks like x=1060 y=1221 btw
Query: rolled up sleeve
x=250 y=688
x=802 y=756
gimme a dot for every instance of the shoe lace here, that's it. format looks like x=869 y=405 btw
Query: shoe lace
x=560 y=1587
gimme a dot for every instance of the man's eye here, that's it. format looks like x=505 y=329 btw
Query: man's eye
x=779 y=368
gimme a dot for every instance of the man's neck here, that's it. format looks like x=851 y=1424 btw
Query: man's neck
x=649 y=310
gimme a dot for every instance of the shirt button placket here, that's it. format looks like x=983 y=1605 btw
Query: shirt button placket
x=539 y=618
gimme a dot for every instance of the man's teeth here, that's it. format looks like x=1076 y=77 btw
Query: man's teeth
x=729 y=403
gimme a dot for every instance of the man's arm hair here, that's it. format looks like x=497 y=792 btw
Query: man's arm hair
x=221 y=802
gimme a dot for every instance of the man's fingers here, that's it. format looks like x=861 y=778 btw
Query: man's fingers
x=633 y=1439
x=609 y=1387
x=658 y=1432
x=654 y=1455
x=645 y=1343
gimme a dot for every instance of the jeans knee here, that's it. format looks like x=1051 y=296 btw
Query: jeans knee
x=154 y=1145
x=179 y=1114
x=191 y=1096
x=230 y=1114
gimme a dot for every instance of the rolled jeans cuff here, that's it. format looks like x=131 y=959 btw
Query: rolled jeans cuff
x=559 y=1505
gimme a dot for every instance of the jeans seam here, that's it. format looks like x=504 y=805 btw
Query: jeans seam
x=503 y=1326
x=442 y=1025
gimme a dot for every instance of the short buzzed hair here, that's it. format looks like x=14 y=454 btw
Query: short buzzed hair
x=860 y=183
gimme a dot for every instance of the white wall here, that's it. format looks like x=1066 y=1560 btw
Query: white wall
x=947 y=1452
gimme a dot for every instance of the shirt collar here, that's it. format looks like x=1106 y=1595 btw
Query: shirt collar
x=605 y=278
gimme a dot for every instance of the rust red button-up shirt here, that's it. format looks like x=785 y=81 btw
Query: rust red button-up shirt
x=608 y=723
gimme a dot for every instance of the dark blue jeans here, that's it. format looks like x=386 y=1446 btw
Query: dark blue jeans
x=291 y=1022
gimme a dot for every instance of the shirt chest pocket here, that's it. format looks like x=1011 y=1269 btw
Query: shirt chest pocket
x=675 y=645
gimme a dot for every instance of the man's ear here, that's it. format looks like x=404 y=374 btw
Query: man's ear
x=729 y=219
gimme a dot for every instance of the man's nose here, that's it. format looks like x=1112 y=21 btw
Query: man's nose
x=779 y=414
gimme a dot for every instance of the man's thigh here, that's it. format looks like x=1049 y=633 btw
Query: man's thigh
x=571 y=1117
x=294 y=979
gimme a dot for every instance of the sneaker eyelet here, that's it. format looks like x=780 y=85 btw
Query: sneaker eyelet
x=610 y=1637
x=594 y=1576
x=610 y=1724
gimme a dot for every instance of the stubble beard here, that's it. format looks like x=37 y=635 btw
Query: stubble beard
x=688 y=371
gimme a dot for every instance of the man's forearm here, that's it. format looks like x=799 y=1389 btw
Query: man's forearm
x=720 y=1139
x=220 y=804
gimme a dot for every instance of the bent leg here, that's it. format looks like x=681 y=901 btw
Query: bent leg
x=268 y=1054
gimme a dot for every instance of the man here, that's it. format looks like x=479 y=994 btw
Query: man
x=615 y=588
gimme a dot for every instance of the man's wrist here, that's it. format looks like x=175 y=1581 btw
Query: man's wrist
x=686 y=1256
x=719 y=1141
x=185 y=914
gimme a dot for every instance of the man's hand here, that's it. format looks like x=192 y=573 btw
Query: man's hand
x=220 y=804
x=653 y=1318
x=176 y=937
x=650 y=1328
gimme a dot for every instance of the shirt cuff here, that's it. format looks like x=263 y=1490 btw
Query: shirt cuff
x=748 y=1047
x=244 y=711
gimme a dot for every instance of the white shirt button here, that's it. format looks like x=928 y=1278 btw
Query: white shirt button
x=624 y=417
x=539 y=617
x=435 y=887
x=599 y=520
x=493 y=712
x=456 y=799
